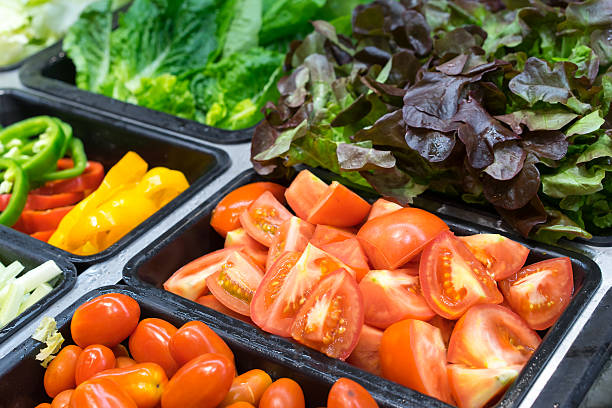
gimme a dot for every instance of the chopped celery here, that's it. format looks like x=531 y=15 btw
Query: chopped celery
x=10 y=272
x=10 y=305
x=39 y=275
x=45 y=329
x=40 y=292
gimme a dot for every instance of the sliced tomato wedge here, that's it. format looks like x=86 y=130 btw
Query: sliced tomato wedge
x=383 y=207
x=351 y=253
x=263 y=218
x=391 y=296
x=190 y=281
x=326 y=234
x=412 y=354
x=501 y=256
x=491 y=336
x=480 y=387
x=271 y=308
x=453 y=279
x=293 y=236
x=540 y=292
x=240 y=238
x=235 y=283
x=392 y=240
x=211 y=302
x=446 y=327
x=366 y=354
x=225 y=216
x=332 y=317
x=87 y=182
x=32 y=221
x=339 y=207
x=304 y=192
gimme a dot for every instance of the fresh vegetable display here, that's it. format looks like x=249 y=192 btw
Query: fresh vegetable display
x=216 y=62
x=28 y=26
x=503 y=104
x=20 y=289
x=120 y=360
x=386 y=287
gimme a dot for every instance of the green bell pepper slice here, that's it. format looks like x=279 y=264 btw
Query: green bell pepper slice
x=79 y=158
x=15 y=181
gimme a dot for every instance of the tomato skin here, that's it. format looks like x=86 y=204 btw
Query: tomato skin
x=305 y=191
x=283 y=393
x=190 y=280
x=247 y=387
x=366 y=354
x=447 y=260
x=241 y=404
x=43 y=405
x=391 y=296
x=194 y=339
x=383 y=207
x=62 y=400
x=107 y=319
x=500 y=255
x=550 y=281
x=100 y=393
x=263 y=218
x=150 y=343
x=235 y=283
x=479 y=387
x=92 y=360
x=347 y=393
x=337 y=332
x=144 y=383
x=491 y=336
x=211 y=302
x=339 y=207
x=201 y=383
x=239 y=238
x=344 y=246
x=293 y=236
x=123 y=362
x=59 y=375
x=393 y=239
x=225 y=216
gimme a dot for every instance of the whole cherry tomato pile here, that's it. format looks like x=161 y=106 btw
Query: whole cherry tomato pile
x=171 y=367
x=388 y=288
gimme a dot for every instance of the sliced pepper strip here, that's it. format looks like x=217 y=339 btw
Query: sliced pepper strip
x=19 y=191
x=79 y=158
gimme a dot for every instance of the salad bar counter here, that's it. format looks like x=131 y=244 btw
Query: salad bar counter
x=306 y=204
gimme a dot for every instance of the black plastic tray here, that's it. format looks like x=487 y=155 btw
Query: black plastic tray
x=53 y=72
x=106 y=140
x=584 y=360
x=193 y=237
x=21 y=376
x=31 y=254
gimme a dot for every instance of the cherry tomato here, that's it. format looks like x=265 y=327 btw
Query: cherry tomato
x=501 y=256
x=190 y=281
x=211 y=302
x=392 y=240
x=241 y=404
x=305 y=191
x=235 y=283
x=391 y=296
x=283 y=393
x=92 y=360
x=452 y=279
x=150 y=343
x=194 y=339
x=120 y=351
x=226 y=213
x=479 y=387
x=412 y=354
x=107 y=319
x=62 y=400
x=239 y=238
x=339 y=207
x=247 y=387
x=540 y=292
x=88 y=181
x=366 y=354
x=43 y=405
x=101 y=393
x=144 y=383
x=347 y=393
x=263 y=218
x=201 y=383
x=383 y=207
x=332 y=317
x=491 y=336
x=123 y=362
x=59 y=375
x=293 y=236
